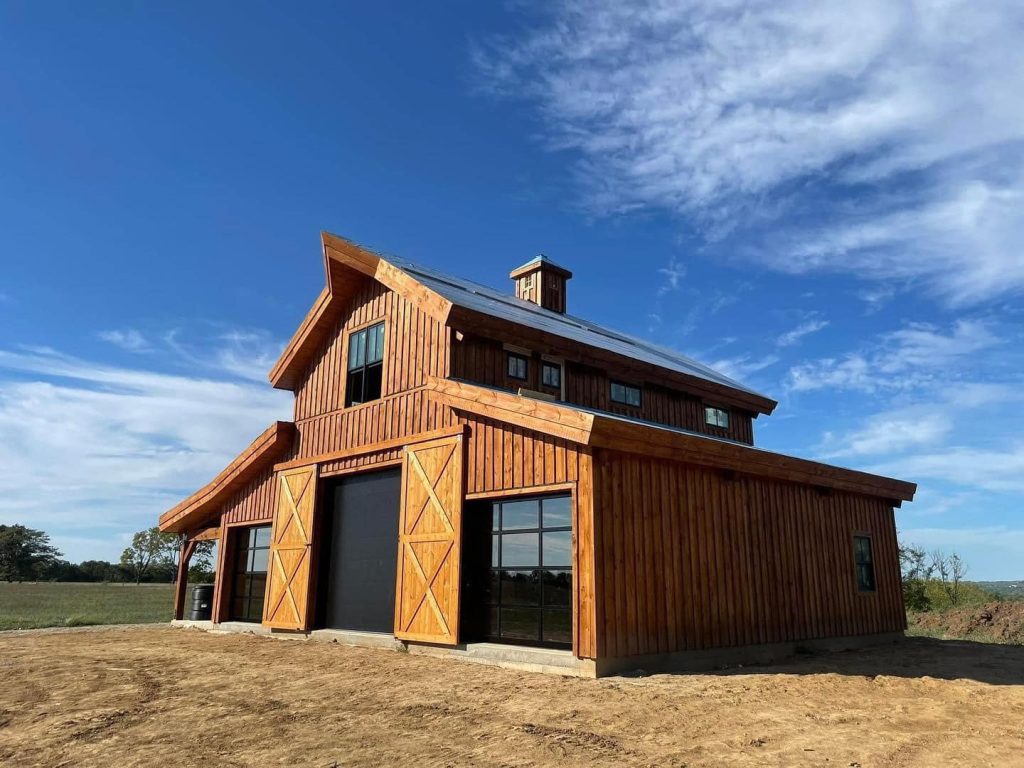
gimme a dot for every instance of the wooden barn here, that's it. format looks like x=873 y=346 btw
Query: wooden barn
x=477 y=472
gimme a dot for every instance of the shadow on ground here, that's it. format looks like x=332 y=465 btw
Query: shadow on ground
x=912 y=657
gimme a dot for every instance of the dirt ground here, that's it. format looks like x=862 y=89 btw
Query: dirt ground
x=174 y=697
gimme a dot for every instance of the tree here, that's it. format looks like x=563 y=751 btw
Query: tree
x=25 y=553
x=916 y=571
x=951 y=570
x=202 y=556
x=148 y=548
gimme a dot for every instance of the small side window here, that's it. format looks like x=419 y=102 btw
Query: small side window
x=518 y=366
x=716 y=417
x=865 y=564
x=551 y=375
x=625 y=394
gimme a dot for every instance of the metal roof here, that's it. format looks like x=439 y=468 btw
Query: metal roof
x=489 y=301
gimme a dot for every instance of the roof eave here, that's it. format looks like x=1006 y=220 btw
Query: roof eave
x=263 y=451
x=598 y=430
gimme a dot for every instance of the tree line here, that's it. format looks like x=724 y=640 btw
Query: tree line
x=27 y=554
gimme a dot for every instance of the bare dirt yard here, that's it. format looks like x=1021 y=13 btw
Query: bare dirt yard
x=174 y=697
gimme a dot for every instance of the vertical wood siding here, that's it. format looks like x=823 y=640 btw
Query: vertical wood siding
x=255 y=503
x=483 y=361
x=415 y=346
x=690 y=559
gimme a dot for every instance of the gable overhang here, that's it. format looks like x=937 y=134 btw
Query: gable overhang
x=600 y=430
x=346 y=267
x=261 y=453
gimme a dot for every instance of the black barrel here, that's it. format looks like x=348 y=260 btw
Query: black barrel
x=202 y=603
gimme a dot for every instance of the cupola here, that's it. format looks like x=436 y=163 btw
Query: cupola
x=542 y=282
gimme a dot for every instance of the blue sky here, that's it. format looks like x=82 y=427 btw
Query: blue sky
x=826 y=203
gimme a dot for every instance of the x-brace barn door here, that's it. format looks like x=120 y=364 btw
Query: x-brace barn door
x=430 y=542
x=288 y=575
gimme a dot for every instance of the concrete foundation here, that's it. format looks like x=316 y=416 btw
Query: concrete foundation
x=558 y=662
x=747 y=655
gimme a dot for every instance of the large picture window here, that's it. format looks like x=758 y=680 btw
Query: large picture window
x=865 y=563
x=531 y=571
x=252 y=552
x=365 y=365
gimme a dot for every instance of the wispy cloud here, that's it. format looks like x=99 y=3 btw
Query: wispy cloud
x=899 y=360
x=883 y=139
x=92 y=451
x=743 y=366
x=672 y=274
x=130 y=340
x=970 y=466
x=806 y=328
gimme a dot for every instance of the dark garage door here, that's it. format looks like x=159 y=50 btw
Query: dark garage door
x=363 y=554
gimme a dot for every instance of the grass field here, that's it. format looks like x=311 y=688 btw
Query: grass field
x=60 y=604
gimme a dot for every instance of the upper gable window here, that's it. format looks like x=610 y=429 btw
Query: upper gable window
x=365 y=365
x=626 y=394
x=518 y=366
x=716 y=417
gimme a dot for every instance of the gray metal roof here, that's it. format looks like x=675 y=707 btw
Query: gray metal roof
x=488 y=301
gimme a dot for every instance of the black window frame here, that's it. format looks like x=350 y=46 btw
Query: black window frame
x=497 y=601
x=864 y=569
x=550 y=365
x=626 y=388
x=367 y=375
x=518 y=357
x=717 y=409
x=247 y=543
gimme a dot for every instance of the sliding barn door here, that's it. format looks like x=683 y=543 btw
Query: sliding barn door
x=288 y=604
x=430 y=542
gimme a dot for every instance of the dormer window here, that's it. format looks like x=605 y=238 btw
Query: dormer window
x=716 y=417
x=551 y=375
x=365 y=365
x=518 y=366
x=625 y=394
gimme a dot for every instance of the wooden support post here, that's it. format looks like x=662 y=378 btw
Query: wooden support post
x=188 y=547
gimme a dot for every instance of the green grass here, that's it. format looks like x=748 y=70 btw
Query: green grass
x=62 y=604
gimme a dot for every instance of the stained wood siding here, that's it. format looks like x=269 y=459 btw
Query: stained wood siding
x=484 y=361
x=399 y=415
x=254 y=503
x=689 y=559
x=415 y=346
x=502 y=459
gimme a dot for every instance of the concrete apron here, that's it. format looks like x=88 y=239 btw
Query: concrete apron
x=521 y=658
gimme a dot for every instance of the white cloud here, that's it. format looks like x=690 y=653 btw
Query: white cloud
x=894 y=431
x=94 y=451
x=793 y=337
x=130 y=340
x=889 y=133
x=742 y=366
x=899 y=360
x=672 y=274
x=988 y=469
